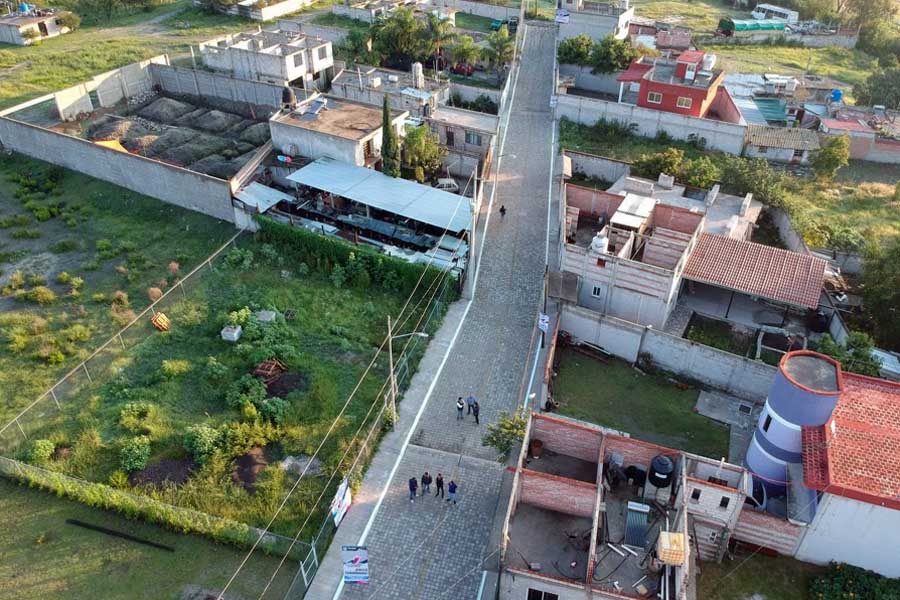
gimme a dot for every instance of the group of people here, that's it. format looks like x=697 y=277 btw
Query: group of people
x=474 y=408
x=426 y=487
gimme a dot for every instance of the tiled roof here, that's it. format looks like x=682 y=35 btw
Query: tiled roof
x=757 y=270
x=857 y=453
x=635 y=72
x=846 y=125
x=691 y=56
x=794 y=138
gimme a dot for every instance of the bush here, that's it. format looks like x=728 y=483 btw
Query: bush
x=503 y=434
x=246 y=389
x=40 y=451
x=338 y=276
x=239 y=258
x=669 y=161
x=576 y=50
x=700 y=172
x=77 y=333
x=135 y=416
x=240 y=317
x=35 y=279
x=172 y=368
x=154 y=293
x=201 y=441
x=135 y=454
x=844 y=581
x=120 y=299
x=41 y=295
x=273 y=410
x=63 y=278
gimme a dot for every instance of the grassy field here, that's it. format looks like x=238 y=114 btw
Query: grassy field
x=473 y=22
x=772 y=578
x=718 y=334
x=333 y=20
x=651 y=408
x=43 y=557
x=110 y=238
x=700 y=15
x=573 y=136
x=30 y=71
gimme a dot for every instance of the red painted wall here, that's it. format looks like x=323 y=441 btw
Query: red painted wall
x=724 y=107
x=559 y=494
x=702 y=98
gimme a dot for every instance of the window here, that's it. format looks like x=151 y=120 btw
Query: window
x=450 y=140
x=695 y=494
x=723 y=503
x=323 y=52
x=763 y=149
x=798 y=153
x=298 y=59
x=767 y=422
x=473 y=138
x=685 y=102
x=713 y=537
x=534 y=594
x=654 y=98
x=597 y=292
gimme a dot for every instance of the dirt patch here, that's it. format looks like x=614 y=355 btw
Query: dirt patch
x=62 y=453
x=166 y=110
x=247 y=467
x=172 y=470
x=286 y=383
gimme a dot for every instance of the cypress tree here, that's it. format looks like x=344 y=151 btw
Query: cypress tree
x=390 y=148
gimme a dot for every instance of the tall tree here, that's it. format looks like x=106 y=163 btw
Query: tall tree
x=438 y=34
x=880 y=285
x=390 y=148
x=855 y=356
x=422 y=151
x=399 y=38
x=499 y=51
x=465 y=50
x=612 y=55
x=882 y=87
x=833 y=155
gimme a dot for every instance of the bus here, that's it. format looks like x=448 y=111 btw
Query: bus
x=770 y=11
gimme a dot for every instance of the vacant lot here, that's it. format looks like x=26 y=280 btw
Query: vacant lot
x=45 y=557
x=69 y=246
x=650 y=408
x=473 y=22
x=700 y=15
x=772 y=578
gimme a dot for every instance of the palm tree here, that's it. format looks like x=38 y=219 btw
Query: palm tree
x=465 y=51
x=500 y=50
x=438 y=33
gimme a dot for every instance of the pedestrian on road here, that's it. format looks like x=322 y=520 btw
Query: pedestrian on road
x=502 y=211
x=470 y=401
x=459 y=409
x=439 y=483
x=451 y=492
x=426 y=483
x=476 y=409
x=413 y=487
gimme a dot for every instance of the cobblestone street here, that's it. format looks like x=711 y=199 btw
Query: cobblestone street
x=430 y=548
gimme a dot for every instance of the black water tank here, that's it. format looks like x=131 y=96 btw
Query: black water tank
x=661 y=471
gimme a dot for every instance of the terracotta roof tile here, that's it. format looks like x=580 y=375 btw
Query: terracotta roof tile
x=757 y=269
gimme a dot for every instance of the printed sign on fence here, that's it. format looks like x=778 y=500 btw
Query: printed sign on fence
x=341 y=503
x=356 y=564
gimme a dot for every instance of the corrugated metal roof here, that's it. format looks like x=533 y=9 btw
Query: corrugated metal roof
x=772 y=109
x=794 y=138
x=261 y=197
x=757 y=270
x=836 y=124
x=399 y=196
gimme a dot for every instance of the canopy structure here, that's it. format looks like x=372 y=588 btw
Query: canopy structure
x=404 y=198
x=261 y=198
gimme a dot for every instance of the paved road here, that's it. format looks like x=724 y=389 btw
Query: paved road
x=429 y=548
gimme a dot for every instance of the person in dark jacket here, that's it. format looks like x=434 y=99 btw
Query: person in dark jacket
x=413 y=487
x=426 y=483
x=476 y=410
x=439 y=484
x=451 y=492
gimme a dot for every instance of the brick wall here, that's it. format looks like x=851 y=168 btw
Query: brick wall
x=636 y=452
x=567 y=438
x=763 y=529
x=678 y=219
x=559 y=494
x=592 y=201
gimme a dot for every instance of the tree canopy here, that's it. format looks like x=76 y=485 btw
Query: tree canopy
x=834 y=155
x=880 y=285
x=882 y=87
x=390 y=148
x=499 y=51
x=855 y=356
x=422 y=151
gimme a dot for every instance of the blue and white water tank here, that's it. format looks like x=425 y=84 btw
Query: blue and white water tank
x=804 y=393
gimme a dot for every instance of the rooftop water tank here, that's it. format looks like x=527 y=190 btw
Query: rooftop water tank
x=600 y=243
x=837 y=95
x=662 y=469
x=709 y=61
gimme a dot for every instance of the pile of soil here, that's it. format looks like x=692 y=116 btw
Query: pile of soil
x=286 y=383
x=109 y=128
x=166 y=110
x=256 y=134
x=215 y=121
x=177 y=471
x=247 y=467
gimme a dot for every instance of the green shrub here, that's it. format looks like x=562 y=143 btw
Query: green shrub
x=842 y=581
x=246 y=389
x=214 y=371
x=135 y=453
x=105 y=249
x=15 y=282
x=273 y=410
x=136 y=417
x=63 y=246
x=40 y=451
x=120 y=299
x=41 y=295
x=239 y=258
x=99 y=298
x=338 y=276
x=119 y=479
x=26 y=234
x=77 y=333
x=172 y=368
x=201 y=441
x=35 y=279
x=240 y=316
x=63 y=278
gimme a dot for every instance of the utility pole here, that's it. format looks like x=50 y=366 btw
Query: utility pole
x=393 y=379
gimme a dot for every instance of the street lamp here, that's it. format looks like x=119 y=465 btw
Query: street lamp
x=393 y=382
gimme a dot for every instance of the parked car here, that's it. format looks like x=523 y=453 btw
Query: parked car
x=512 y=25
x=463 y=69
x=496 y=24
x=447 y=184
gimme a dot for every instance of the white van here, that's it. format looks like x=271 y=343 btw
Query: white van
x=770 y=11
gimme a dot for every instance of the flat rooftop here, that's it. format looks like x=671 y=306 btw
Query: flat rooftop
x=664 y=72
x=404 y=80
x=469 y=119
x=812 y=370
x=341 y=118
x=549 y=542
x=23 y=20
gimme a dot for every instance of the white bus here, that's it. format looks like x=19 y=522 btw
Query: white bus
x=770 y=11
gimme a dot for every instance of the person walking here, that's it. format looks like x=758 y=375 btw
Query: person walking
x=439 y=485
x=451 y=492
x=459 y=409
x=502 y=211
x=426 y=483
x=476 y=410
x=470 y=401
x=413 y=488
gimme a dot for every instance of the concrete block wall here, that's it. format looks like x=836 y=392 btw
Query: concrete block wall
x=72 y=102
x=482 y=9
x=335 y=35
x=274 y=11
x=598 y=167
x=763 y=529
x=558 y=494
x=709 y=504
x=468 y=93
x=563 y=437
x=596 y=26
x=587 y=80
x=111 y=88
x=727 y=137
x=194 y=191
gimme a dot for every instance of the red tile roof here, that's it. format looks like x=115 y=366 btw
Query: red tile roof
x=857 y=453
x=757 y=270
x=691 y=56
x=634 y=72
x=839 y=125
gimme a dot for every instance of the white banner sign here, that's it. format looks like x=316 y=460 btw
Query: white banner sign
x=356 y=564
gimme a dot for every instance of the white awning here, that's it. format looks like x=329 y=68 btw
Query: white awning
x=405 y=198
x=261 y=197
